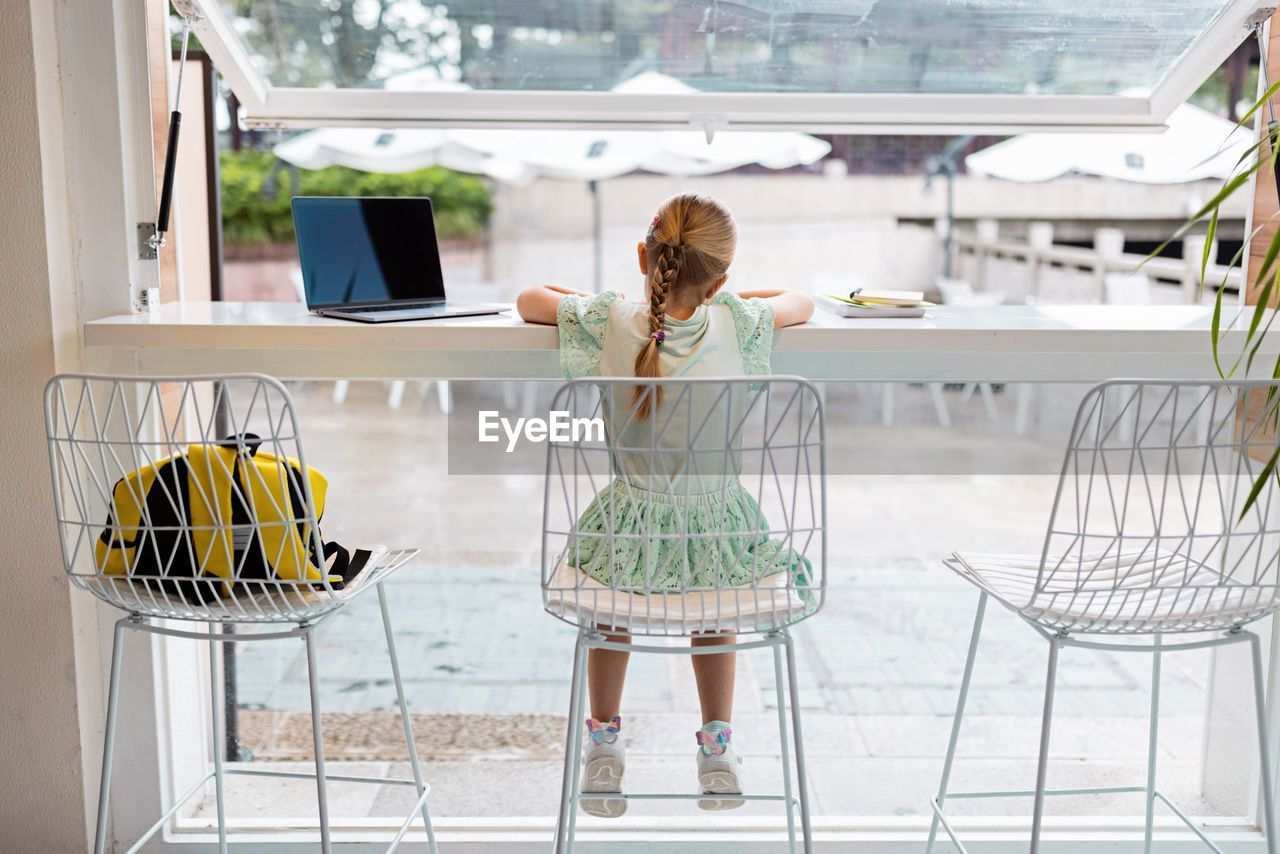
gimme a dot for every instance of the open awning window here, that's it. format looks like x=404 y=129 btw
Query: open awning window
x=924 y=66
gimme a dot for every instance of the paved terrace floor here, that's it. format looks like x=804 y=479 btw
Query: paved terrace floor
x=487 y=671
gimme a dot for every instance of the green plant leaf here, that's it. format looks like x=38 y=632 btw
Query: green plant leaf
x=1214 y=325
x=1267 y=471
x=1259 y=104
x=1208 y=247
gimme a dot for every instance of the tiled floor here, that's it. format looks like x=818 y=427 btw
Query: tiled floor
x=879 y=667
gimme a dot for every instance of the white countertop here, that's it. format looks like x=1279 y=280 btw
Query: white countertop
x=1052 y=343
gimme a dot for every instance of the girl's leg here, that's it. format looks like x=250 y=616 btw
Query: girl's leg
x=714 y=675
x=606 y=672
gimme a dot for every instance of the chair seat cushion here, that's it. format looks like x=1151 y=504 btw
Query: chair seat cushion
x=577 y=598
x=250 y=601
x=1138 y=591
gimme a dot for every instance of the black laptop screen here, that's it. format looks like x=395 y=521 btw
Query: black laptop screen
x=363 y=251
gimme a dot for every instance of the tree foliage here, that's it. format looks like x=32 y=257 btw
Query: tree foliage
x=256 y=189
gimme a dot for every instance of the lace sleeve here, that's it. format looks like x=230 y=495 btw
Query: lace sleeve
x=753 y=321
x=581 y=320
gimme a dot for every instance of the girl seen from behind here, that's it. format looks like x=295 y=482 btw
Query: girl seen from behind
x=687 y=325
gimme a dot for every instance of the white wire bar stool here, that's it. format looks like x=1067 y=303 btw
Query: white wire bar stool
x=188 y=499
x=706 y=518
x=1153 y=546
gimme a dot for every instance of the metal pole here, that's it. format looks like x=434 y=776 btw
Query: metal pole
x=958 y=719
x=1037 y=817
x=1152 y=737
x=222 y=426
x=1264 y=749
x=317 y=735
x=597 y=235
x=109 y=739
x=780 y=694
x=951 y=219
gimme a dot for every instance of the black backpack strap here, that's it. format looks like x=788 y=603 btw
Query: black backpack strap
x=249 y=441
x=344 y=562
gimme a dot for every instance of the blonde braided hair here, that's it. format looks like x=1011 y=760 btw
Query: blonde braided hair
x=689 y=246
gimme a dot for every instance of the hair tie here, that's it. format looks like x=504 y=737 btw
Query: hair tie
x=659 y=336
x=652 y=226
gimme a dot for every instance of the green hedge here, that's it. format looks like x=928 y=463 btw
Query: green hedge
x=462 y=203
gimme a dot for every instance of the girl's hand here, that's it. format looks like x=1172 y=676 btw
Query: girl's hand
x=539 y=303
x=789 y=307
x=559 y=290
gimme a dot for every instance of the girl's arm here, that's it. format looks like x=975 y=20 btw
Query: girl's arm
x=538 y=304
x=789 y=307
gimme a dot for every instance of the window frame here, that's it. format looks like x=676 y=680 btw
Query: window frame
x=267 y=106
x=168 y=750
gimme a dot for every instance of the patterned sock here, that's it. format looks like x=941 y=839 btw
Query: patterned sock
x=714 y=737
x=604 y=733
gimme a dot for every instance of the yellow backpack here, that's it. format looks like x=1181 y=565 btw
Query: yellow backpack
x=218 y=512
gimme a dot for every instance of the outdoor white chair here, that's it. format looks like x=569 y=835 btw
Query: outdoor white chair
x=843 y=283
x=167 y=545
x=961 y=292
x=1128 y=289
x=712 y=444
x=1151 y=535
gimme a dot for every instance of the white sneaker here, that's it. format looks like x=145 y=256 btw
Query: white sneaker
x=719 y=771
x=603 y=762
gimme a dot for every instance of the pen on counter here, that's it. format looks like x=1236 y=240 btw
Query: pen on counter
x=853 y=293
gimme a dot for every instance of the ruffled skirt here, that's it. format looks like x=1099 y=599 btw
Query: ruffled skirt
x=633 y=538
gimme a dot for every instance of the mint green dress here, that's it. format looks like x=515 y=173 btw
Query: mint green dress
x=732 y=337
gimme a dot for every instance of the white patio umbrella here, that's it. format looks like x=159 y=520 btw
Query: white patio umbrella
x=518 y=157
x=1196 y=145
x=402 y=150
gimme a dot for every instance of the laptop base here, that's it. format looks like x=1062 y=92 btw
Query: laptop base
x=402 y=314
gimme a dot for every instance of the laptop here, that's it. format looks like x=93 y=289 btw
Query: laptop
x=374 y=260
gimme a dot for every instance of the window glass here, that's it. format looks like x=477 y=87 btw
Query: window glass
x=1045 y=47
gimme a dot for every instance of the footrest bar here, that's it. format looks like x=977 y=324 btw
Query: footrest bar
x=936 y=804
x=1186 y=821
x=172 y=811
x=310 y=775
x=663 y=796
x=413 y=814
x=946 y=825
x=1030 y=793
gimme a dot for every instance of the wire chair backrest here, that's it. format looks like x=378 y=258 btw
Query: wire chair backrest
x=708 y=516
x=186 y=498
x=1149 y=529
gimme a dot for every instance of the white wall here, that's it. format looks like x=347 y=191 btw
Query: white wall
x=41 y=792
x=76 y=175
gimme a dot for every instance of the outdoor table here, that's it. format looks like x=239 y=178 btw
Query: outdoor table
x=1070 y=343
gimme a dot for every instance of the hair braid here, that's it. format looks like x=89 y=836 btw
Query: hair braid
x=665 y=271
x=689 y=246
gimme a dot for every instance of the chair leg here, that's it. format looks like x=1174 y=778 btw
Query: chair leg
x=1153 y=731
x=1264 y=751
x=572 y=747
x=781 y=693
x=939 y=404
x=974 y=636
x=886 y=405
x=109 y=739
x=1022 y=412
x=802 y=780
x=989 y=400
x=322 y=795
x=576 y=787
x=218 y=746
x=1037 y=818
x=404 y=715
